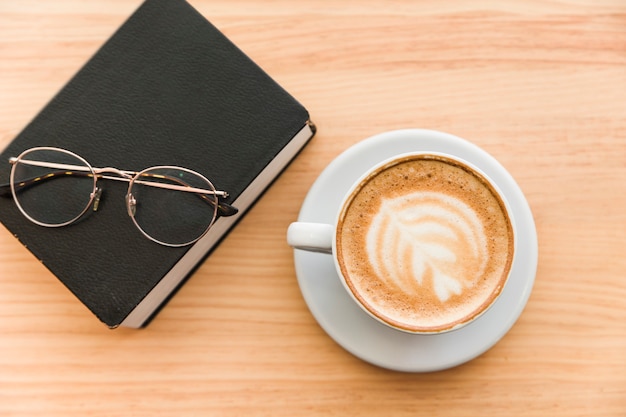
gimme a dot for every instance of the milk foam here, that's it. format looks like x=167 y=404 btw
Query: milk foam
x=426 y=234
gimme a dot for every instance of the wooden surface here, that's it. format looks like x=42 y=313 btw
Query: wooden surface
x=541 y=85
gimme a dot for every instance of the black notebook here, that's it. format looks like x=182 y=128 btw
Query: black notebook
x=167 y=88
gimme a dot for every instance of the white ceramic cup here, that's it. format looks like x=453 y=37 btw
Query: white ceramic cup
x=323 y=238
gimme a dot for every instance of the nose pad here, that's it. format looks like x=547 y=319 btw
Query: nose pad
x=96 y=198
x=131 y=204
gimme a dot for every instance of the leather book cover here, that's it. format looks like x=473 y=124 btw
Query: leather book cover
x=167 y=88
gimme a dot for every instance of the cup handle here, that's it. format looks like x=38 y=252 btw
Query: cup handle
x=313 y=237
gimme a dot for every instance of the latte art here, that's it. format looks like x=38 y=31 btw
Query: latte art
x=424 y=243
x=427 y=238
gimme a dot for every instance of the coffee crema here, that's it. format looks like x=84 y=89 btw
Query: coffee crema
x=425 y=243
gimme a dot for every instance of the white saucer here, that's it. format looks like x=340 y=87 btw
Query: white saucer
x=365 y=337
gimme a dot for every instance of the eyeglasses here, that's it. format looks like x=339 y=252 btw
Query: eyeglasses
x=170 y=205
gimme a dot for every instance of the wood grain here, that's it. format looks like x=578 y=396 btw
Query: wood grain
x=539 y=84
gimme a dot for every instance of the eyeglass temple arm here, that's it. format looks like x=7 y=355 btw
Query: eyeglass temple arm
x=224 y=209
x=5 y=190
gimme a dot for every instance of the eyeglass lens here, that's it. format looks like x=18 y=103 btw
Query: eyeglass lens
x=168 y=216
x=52 y=196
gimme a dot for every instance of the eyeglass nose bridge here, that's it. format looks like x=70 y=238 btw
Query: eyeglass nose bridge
x=124 y=174
x=131 y=202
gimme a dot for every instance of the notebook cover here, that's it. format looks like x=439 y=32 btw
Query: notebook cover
x=166 y=89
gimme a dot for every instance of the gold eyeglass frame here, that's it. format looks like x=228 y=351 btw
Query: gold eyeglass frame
x=132 y=177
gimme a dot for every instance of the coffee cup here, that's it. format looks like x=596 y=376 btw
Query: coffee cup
x=423 y=242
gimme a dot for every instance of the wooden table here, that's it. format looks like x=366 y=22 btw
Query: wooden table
x=541 y=85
